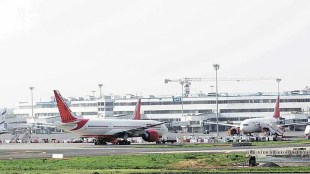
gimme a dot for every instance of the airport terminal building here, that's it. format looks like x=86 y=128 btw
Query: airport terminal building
x=191 y=113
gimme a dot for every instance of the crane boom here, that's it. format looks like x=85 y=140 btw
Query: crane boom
x=186 y=82
x=219 y=79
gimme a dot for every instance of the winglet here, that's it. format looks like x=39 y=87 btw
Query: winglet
x=65 y=112
x=4 y=112
x=3 y=124
x=137 y=114
x=277 y=108
x=2 y=117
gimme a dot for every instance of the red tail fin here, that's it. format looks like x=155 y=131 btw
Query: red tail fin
x=277 y=108
x=65 y=112
x=137 y=115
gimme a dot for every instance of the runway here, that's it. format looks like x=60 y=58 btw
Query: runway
x=46 y=150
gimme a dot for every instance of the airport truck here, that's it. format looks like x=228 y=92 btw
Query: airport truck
x=169 y=139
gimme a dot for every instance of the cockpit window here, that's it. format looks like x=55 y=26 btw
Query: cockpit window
x=245 y=125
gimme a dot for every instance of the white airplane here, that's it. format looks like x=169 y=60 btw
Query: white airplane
x=257 y=125
x=136 y=115
x=3 y=125
x=265 y=124
x=107 y=130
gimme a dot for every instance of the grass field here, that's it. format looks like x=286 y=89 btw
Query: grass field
x=149 y=163
x=228 y=145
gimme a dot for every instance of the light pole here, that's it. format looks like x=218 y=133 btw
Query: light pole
x=31 y=89
x=100 y=86
x=278 y=80
x=216 y=67
x=182 y=84
x=93 y=93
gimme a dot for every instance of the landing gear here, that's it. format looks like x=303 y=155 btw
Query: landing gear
x=159 y=142
x=122 y=142
x=100 y=141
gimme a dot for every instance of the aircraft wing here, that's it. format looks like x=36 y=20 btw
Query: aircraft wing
x=223 y=124
x=144 y=127
x=293 y=124
x=3 y=112
x=121 y=115
x=53 y=117
x=134 y=131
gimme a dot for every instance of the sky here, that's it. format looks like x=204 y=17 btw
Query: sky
x=132 y=46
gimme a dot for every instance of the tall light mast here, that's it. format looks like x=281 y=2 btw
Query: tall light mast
x=216 y=68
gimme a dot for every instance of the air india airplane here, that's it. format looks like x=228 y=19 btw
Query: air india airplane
x=137 y=114
x=108 y=130
x=256 y=125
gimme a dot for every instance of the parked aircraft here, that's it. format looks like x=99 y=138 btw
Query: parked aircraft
x=266 y=124
x=256 y=125
x=137 y=113
x=107 y=130
x=3 y=125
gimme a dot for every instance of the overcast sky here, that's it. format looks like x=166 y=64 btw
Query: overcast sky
x=132 y=46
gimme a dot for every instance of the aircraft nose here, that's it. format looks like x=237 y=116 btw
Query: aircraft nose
x=241 y=128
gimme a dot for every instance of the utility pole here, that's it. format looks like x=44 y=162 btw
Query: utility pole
x=216 y=67
x=182 y=84
x=31 y=89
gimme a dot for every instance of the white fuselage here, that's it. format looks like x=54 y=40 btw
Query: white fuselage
x=254 y=125
x=112 y=127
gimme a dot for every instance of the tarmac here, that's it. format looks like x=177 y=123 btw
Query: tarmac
x=46 y=150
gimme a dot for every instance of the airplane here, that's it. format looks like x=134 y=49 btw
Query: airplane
x=3 y=125
x=108 y=130
x=265 y=124
x=136 y=115
x=257 y=125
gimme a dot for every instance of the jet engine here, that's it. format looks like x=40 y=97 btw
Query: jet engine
x=150 y=136
x=233 y=131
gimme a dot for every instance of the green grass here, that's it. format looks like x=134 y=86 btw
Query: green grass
x=273 y=143
x=228 y=145
x=114 y=171
x=148 y=163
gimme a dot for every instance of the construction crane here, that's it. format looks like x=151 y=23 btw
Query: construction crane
x=186 y=82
